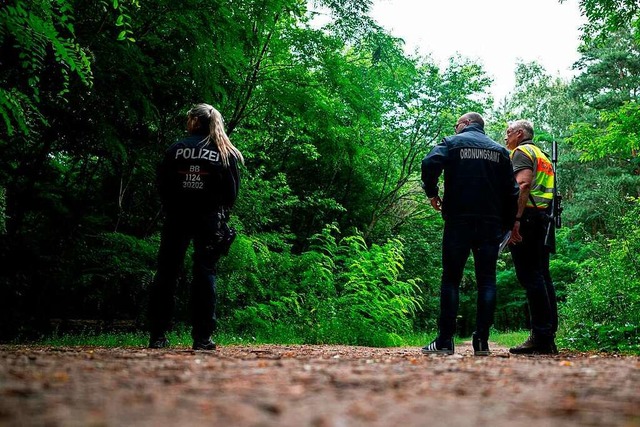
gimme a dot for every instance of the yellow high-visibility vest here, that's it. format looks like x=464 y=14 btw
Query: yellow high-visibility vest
x=542 y=185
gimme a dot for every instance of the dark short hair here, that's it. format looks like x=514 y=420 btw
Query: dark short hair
x=474 y=118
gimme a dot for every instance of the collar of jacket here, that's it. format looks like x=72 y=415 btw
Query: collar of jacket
x=472 y=127
x=526 y=141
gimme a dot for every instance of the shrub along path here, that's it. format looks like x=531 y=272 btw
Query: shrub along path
x=321 y=386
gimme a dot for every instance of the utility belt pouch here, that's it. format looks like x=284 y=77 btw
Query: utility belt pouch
x=225 y=234
x=226 y=238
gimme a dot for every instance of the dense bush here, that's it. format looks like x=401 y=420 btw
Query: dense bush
x=116 y=271
x=602 y=310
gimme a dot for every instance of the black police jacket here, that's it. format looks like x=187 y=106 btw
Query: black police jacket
x=192 y=177
x=478 y=177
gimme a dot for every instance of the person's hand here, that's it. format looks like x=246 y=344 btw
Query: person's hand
x=515 y=234
x=436 y=202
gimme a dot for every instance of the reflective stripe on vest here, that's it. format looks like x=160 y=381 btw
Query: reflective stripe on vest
x=542 y=185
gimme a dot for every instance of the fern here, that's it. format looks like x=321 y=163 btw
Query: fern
x=13 y=107
x=340 y=291
x=370 y=295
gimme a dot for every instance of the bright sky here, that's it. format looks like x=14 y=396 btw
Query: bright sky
x=495 y=32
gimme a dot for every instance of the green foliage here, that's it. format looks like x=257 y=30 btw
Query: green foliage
x=510 y=311
x=606 y=16
x=603 y=306
x=371 y=294
x=509 y=338
x=541 y=98
x=614 y=135
x=267 y=202
x=90 y=339
x=124 y=20
x=345 y=123
x=340 y=291
x=369 y=303
x=3 y=210
x=422 y=240
x=117 y=270
x=15 y=109
x=281 y=334
x=598 y=200
x=33 y=34
x=610 y=69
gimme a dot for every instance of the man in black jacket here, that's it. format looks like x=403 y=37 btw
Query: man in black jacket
x=478 y=206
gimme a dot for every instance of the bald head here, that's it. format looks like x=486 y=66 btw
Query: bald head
x=472 y=117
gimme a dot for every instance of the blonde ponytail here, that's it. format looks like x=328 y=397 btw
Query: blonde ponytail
x=207 y=115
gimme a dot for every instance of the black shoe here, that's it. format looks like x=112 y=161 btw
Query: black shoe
x=480 y=346
x=536 y=345
x=158 y=342
x=438 y=346
x=203 y=344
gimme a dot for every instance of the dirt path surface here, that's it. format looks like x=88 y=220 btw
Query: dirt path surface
x=320 y=386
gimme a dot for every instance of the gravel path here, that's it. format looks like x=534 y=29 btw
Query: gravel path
x=320 y=386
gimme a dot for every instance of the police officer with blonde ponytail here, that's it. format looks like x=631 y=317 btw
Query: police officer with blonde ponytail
x=534 y=174
x=198 y=182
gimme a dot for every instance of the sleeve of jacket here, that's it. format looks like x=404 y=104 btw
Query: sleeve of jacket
x=511 y=192
x=231 y=182
x=432 y=167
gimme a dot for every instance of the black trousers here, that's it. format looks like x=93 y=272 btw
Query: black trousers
x=531 y=261
x=461 y=237
x=177 y=233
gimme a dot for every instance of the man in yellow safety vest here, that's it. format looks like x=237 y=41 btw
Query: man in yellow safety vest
x=535 y=176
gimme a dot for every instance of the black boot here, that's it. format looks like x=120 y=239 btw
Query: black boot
x=203 y=344
x=536 y=345
x=158 y=341
x=480 y=346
